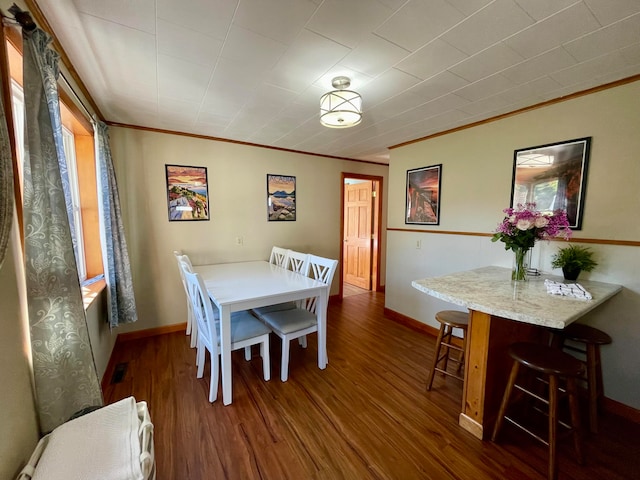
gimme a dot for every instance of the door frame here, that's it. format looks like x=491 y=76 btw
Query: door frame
x=376 y=247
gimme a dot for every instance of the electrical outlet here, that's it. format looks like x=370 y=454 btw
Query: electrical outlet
x=239 y=241
x=418 y=244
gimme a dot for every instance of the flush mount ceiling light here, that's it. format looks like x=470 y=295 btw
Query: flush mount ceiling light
x=340 y=108
x=534 y=160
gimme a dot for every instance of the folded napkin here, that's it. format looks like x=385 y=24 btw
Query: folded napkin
x=568 y=290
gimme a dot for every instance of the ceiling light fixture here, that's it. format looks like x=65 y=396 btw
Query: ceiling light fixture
x=534 y=160
x=340 y=108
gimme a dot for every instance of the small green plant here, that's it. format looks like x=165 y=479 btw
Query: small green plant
x=574 y=257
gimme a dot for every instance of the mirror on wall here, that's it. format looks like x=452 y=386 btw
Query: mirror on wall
x=553 y=176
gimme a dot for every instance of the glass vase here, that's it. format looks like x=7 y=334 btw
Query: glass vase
x=519 y=270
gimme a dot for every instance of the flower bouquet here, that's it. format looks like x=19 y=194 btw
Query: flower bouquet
x=523 y=226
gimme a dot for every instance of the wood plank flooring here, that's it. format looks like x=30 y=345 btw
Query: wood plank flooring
x=348 y=290
x=367 y=416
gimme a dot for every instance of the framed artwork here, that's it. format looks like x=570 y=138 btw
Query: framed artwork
x=187 y=193
x=423 y=195
x=553 y=176
x=281 y=198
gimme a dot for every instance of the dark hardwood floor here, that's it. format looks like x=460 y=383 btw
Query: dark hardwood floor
x=367 y=416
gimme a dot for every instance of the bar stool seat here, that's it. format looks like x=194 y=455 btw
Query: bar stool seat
x=592 y=338
x=449 y=319
x=553 y=364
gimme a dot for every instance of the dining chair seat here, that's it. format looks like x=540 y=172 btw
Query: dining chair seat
x=289 y=321
x=244 y=326
x=274 y=308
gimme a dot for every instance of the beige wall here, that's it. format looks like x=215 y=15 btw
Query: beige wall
x=237 y=201
x=476 y=186
x=18 y=424
x=103 y=339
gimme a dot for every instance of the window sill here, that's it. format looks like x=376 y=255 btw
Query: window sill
x=91 y=292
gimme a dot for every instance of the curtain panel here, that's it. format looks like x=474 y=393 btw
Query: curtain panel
x=6 y=181
x=66 y=380
x=122 y=305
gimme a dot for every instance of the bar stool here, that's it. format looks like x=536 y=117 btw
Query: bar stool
x=553 y=364
x=449 y=319
x=592 y=338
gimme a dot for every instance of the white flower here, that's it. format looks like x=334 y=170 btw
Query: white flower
x=541 y=222
x=524 y=224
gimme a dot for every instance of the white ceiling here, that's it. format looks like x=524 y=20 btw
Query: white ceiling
x=254 y=70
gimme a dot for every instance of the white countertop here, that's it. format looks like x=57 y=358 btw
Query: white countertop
x=490 y=290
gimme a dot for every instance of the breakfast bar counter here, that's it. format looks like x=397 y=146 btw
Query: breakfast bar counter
x=503 y=312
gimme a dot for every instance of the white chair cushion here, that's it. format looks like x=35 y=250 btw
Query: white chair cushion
x=244 y=326
x=103 y=444
x=288 y=321
x=274 y=308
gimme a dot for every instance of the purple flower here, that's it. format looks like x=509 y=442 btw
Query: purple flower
x=524 y=225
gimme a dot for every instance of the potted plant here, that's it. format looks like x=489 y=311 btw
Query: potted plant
x=573 y=259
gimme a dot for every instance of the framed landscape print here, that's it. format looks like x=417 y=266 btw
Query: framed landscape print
x=281 y=198
x=187 y=193
x=552 y=176
x=423 y=195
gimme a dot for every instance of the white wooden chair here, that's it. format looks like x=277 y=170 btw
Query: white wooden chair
x=300 y=321
x=296 y=262
x=279 y=256
x=185 y=266
x=246 y=330
x=191 y=327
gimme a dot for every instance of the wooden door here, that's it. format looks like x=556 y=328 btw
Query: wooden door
x=357 y=234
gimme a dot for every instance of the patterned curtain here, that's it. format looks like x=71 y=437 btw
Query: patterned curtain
x=66 y=380
x=122 y=304
x=6 y=182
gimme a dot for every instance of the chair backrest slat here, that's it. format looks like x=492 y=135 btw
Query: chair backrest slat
x=298 y=262
x=178 y=256
x=202 y=308
x=184 y=258
x=279 y=256
x=321 y=269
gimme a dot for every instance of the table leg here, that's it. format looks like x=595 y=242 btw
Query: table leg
x=475 y=374
x=225 y=355
x=487 y=367
x=322 y=329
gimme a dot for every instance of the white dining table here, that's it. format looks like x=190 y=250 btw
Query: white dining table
x=241 y=286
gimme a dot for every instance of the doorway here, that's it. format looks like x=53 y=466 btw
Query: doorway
x=360 y=233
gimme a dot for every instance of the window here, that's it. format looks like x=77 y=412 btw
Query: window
x=17 y=103
x=70 y=154
x=544 y=195
x=79 y=148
